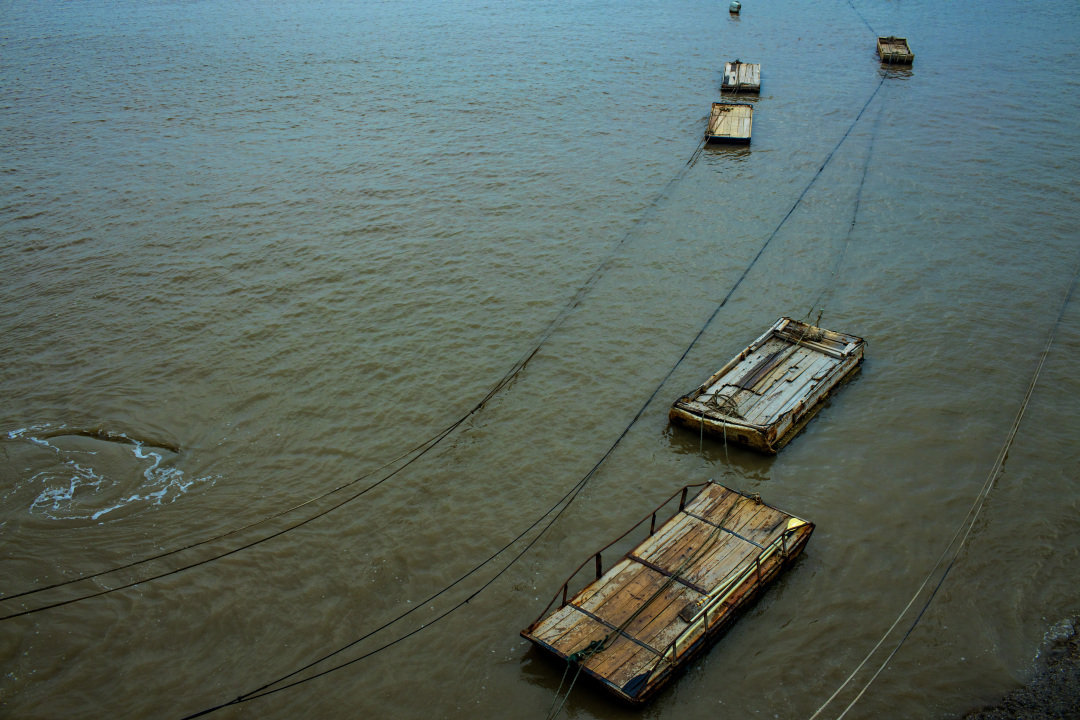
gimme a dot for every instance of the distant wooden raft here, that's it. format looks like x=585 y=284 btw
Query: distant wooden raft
x=671 y=596
x=741 y=77
x=767 y=394
x=895 y=51
x=730 y=122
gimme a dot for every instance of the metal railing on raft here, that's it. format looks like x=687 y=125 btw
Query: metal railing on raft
x=597 y=557
x=699 y=625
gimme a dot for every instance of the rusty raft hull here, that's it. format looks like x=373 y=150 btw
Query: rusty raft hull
x=769 y=391
x=670 y=597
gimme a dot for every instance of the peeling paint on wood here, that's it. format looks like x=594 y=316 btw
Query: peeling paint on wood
x=670 y=597
x=764 y=396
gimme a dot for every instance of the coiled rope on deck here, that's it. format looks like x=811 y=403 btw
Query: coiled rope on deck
x=555 y=511
x=963 y=530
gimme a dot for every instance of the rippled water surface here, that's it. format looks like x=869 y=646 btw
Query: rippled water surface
x=252 y=252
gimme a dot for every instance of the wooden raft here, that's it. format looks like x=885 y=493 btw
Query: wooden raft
x=741 y=77
x=765 y=395
x=730 y=122
x=895 y=51
x=671 y=596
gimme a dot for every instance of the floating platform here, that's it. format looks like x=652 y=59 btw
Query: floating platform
x=730 y=122
x=894 y=51
x=741 y=77
x=670 y=597
x=767 y=394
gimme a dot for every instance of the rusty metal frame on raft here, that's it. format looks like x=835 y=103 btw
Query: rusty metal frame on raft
x=700 y=627
x=721 y=605
x=597 y=556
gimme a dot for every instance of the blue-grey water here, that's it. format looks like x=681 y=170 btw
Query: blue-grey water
x=253 y=251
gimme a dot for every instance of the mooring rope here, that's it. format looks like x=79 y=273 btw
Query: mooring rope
x=847 y=240
x=567 y=499
x=863 y=18
x=579 y=657
x=269 y=689
x=827 y=287
x=420 y=450
x=221 y=536
x=963 y=531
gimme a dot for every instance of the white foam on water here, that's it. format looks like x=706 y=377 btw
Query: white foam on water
x=76 y=490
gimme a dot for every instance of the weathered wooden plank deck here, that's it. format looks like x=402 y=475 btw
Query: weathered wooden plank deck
x=764 y=396
x=730 y=122
x=895 y=51
x=667 y=599
x=741 y=77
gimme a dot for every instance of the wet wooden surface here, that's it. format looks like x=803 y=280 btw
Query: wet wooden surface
x=741 y=77
x=730 y=122
x=761 y=395
x=655 y=593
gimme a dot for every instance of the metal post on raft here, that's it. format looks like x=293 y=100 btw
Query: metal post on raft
x=682 y=500
x=599 y=566
x=652 y=525
x=565 y=584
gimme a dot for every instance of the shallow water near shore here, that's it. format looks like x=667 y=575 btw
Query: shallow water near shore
x=253 y=252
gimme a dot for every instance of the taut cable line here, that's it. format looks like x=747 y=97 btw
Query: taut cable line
x=419 y=450
x=555 y=511
x=963 y=530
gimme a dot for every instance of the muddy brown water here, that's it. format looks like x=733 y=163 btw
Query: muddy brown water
x=250 y=253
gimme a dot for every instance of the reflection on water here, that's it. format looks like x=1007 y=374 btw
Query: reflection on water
x=721 y=153
x=897 y=72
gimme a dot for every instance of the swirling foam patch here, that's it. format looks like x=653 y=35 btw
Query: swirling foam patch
x=78 y=487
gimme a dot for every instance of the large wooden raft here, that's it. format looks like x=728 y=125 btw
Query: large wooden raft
x=730 y=123
x=670 y=597
x=765 y=395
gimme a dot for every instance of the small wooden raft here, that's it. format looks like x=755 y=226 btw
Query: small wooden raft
x=671 y=596
x=766 y=394
x=730 y=122
x=895 y=51
x=741 y=77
